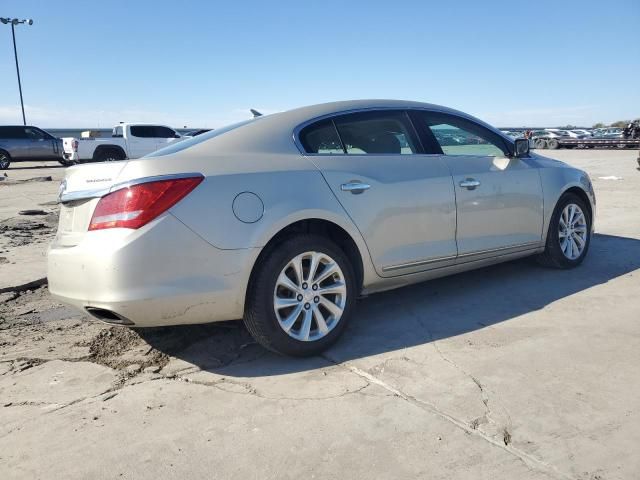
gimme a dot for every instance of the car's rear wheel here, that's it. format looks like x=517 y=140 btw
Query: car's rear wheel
x=553 y=144
x=109 y=155
x=301 y=296
x=569 y=233
x=540 y=143
x=5 y=160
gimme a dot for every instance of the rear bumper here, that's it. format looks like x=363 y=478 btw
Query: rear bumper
x=161 y=274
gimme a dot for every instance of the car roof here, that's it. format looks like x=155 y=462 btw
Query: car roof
x=313 y=111
x=274 y=133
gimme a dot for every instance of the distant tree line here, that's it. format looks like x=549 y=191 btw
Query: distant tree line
x=618 y=124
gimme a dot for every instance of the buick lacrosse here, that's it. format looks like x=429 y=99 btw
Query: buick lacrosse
x=286 y=219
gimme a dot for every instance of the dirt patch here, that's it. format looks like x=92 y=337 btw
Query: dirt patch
x=34 y=328
x=9 y=181
x=20 y=231
x=121 y=348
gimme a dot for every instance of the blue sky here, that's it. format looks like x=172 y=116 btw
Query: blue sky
x=205 y=63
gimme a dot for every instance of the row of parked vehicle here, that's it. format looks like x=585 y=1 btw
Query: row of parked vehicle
x=20 y=143
x=610 y=132
x=609 y=137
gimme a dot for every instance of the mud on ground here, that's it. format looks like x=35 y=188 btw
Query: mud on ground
x=34 y=329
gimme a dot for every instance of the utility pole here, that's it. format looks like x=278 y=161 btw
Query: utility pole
x=14 y=22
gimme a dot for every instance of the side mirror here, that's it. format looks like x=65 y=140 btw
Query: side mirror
x=521 y=147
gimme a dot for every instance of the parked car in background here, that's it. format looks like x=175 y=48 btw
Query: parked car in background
x=127 y=141
x=581 y=133
x=540 y=138
x=19 y=143
x=611 y=132
x=284 y=220
x=562 y=133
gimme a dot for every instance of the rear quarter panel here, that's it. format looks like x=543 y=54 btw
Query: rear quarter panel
x=289 y=186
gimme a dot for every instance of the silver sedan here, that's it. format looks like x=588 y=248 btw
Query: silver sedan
x=284 y=220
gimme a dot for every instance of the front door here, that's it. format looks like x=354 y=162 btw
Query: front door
x=499 y=198
x=401 y=200
x=40 y=144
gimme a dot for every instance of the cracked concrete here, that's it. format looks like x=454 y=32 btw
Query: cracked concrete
x=509 y=372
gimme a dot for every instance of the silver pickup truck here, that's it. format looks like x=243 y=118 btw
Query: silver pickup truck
x=24 y=143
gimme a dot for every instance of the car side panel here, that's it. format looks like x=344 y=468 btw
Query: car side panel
x=556 y=178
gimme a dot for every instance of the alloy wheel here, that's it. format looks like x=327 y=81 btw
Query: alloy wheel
x=310 y=296
x=4 y=161
x=572 y=231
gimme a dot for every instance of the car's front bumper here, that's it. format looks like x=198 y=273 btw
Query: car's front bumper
x=161 y=274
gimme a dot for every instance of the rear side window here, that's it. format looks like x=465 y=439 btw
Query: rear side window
x=321 y=138
x=377 y=133
x=13 y=133
x=143 y=131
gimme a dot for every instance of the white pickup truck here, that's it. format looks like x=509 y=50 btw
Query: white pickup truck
x=128 y=140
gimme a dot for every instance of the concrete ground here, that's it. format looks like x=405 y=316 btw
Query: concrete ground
x=513 y=371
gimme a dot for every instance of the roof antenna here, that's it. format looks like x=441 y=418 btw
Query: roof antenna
x=255 y=113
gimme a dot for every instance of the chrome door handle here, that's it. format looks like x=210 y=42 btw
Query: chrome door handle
x=355 y=187
x=470 y=183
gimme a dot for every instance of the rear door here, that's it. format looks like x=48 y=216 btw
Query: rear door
x=401 y=200
x=141 y=140
x=499 y=199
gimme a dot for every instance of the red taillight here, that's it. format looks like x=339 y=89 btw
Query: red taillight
x=135 y=206
x=74 y=145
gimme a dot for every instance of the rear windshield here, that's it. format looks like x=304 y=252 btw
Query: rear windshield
x=190 y=142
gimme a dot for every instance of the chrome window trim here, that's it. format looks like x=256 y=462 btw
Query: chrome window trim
x=418 y=263
x=333 y=115
x=101 y=192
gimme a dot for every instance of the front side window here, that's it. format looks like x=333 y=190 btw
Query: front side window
x=321 y=138
x=378 y=133
x=34 y=133
x=459 y=136
x=164 y=132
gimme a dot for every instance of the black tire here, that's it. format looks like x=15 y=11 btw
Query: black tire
x=5 y=160
x=553 y=144
x=540 y=143
x=552 y=255
x=108 y=155
x=260 y=317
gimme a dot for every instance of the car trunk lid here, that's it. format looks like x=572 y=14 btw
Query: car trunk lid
x=79 y=194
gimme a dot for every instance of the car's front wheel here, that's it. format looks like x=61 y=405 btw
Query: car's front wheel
x=569 y=233
x=301 y=296
x=5 y=160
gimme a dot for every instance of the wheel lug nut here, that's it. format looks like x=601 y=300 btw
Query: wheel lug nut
x=305 y=286
x=307 y=306
x=315 y=287
x=316 y=299
x=299 y=297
